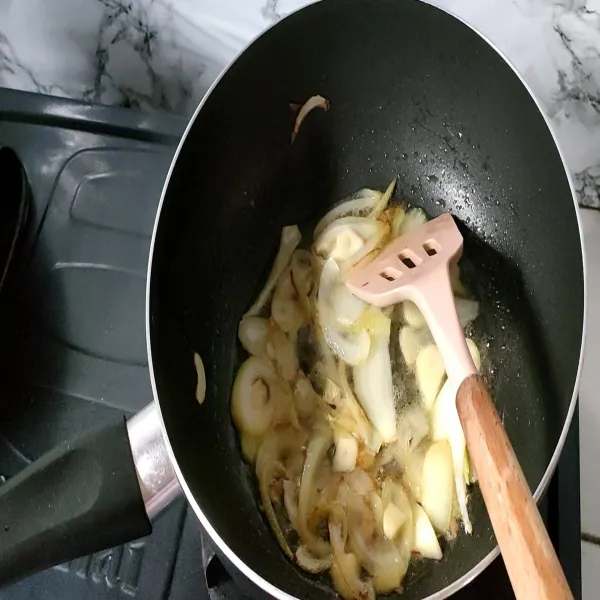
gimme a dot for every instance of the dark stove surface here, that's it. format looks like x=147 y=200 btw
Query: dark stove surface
x=75 y=329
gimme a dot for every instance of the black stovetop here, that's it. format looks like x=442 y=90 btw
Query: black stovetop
x=77 y=355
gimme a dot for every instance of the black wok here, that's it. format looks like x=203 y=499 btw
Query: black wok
x=416 y=94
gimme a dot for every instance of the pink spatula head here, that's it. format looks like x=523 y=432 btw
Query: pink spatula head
x=389 y=279
x=416 y=267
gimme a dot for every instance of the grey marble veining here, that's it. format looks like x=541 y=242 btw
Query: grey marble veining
x=164 y=54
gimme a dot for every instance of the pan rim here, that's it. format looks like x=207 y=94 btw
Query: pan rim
x=255 y=577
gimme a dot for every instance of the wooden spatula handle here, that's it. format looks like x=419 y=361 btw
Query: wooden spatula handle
x=528 y=554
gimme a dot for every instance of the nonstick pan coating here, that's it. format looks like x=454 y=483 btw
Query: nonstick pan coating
x=416 y=94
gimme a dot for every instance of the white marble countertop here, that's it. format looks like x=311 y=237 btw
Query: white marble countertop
x=164 y=54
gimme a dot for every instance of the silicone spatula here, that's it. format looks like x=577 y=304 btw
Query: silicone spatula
x=416 y=267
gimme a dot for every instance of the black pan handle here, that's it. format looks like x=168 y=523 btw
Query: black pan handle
x=84 y=496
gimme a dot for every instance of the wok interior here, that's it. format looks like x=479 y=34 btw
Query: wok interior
x=415 y=94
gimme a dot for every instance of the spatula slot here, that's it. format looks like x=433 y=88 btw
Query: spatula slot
x=409 y=258
x=390 y=274
x=431 y=247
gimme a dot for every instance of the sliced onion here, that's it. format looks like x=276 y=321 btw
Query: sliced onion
x=360 y=482
x=469 y=474
x=438 y=485
x=375 y=442
x=379 y=556
x=426 y=542
x=303 y=270
x=316 y=452
x=347 y=244
x=413 y=426
x=430 y=373
x=279 y=444
x=361 y=425
x=378 y=512
x=411 y=342
x=412 y=475
x=306 y=399
x=290 y=501
x=360 y=204
x=408 y=455
x=290 y=238
x=446 y=426
x=414 y=218
x=252 y=333
x=353 y=348
x=346 y=307
x=397 y=221
x=201 y=375
x=374 y=320
x=282 y=352
x=327 y=366
x=286 y=310
x=345 y=570
x=467 y=310
x=330 y=391
x=294 y=463
x=342 y=240
x=392 y=492
x=251 y=405
x=338 y=528
x=383 y=201
x=287 y=426
x=270 y=471
x=406 y=541
x=374 y=389
x=366 y=458
x=362 y=229
x=303 y=267
x=311 y=563
x=412 y=316
x=343 y=421
x=346 y=452
x=369 y=250
x=392 y=521
x=345 y=574
x=250 y=446
x=312 y=103
x=284 y=409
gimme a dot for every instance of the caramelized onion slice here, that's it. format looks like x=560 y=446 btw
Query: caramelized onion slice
x=251 y=402
x=311 y=563
x=252 y=333
x=312 y=103
x=352 y=348
x=344 y=237
x=374 y=389
x=201 y=378
x=383 y=201
x=271 y=470
x=316 y=453
x=290 y=238
x=360 y=204
x=286 y=309
x=345 y=569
